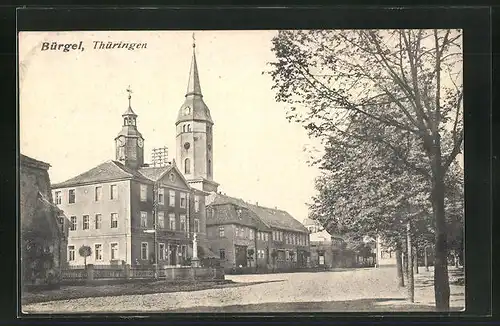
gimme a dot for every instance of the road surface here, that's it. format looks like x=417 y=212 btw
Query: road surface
x=368 y=289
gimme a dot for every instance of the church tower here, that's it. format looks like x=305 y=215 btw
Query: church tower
x=129 y=142
x=194 y=140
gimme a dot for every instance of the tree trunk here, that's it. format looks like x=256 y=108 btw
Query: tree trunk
x=399 y=266
x=426 y=259
x=405 y=263
x=415 y=259
x=441 y=282
x=409 y=246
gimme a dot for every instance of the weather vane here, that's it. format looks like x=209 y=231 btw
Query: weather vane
x=129 y=91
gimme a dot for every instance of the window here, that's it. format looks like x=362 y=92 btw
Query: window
x=144 y=192
x=144 y=250
x=114 y=220
x=183 y=200
x=61 y=220
x=260 y=253
x=189 y=127
x=98 y=221
x=161 y=196
x=221 y=231
x=71 y=253
x=114 y=250
x=161 y=220
x=113 y=192
x=171 y=199
x=238 y=212
x=58 y=198
x=266 y=236
x=98 y=251
x=144 y=219
x=161 y=251
x=171 y=218
x=72 y=226
x=251 y=234
x=210 y=212
x=86 y=222
x=98 y=193
x=71 y=196
x=183 y=223
x=187 y=166
x=196 y=204
x=196 y=225
x=222 y=254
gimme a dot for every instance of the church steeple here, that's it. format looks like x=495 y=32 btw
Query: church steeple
x=194 y=87
x=194 y=134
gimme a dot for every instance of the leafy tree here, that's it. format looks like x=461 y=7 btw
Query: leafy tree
x=393 y=98
x=85 y=251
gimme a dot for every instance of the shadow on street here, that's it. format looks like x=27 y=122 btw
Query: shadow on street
x=375 y=304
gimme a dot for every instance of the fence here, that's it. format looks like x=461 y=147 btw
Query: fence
x=127 y=272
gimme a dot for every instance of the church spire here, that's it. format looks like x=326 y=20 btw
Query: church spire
x=194 y=87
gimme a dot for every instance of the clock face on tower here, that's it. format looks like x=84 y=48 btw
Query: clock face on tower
x=121 y=141
x=140 y=142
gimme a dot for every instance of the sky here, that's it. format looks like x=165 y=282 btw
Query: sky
x=71 y=105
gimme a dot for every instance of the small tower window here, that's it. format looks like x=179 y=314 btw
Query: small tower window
x=188 y=127
x=183 y=128
x=187 y=166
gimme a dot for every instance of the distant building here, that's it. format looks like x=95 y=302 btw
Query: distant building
x=327 y=251
x=248 y=235
x=43 y=232
x=111 y=207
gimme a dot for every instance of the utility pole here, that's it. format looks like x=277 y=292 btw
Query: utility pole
x=411 y=289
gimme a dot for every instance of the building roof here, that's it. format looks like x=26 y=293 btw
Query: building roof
x=155 y=173
x=194 y=108
x=28 y=161
x=107 y=171
x=129 y=112
x=272 y=218
x=227 y=214
x=320 y=236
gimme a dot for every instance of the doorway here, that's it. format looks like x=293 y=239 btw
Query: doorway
x=241 y=255
x=172 y=255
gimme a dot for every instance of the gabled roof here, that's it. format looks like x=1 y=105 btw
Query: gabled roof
x=228 y=214
x=273 y=218
x=155 y=173
x=107 y=171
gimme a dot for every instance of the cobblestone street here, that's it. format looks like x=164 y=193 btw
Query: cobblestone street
x=370 y=289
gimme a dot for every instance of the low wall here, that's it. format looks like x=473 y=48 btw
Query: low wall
x=115 y=274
